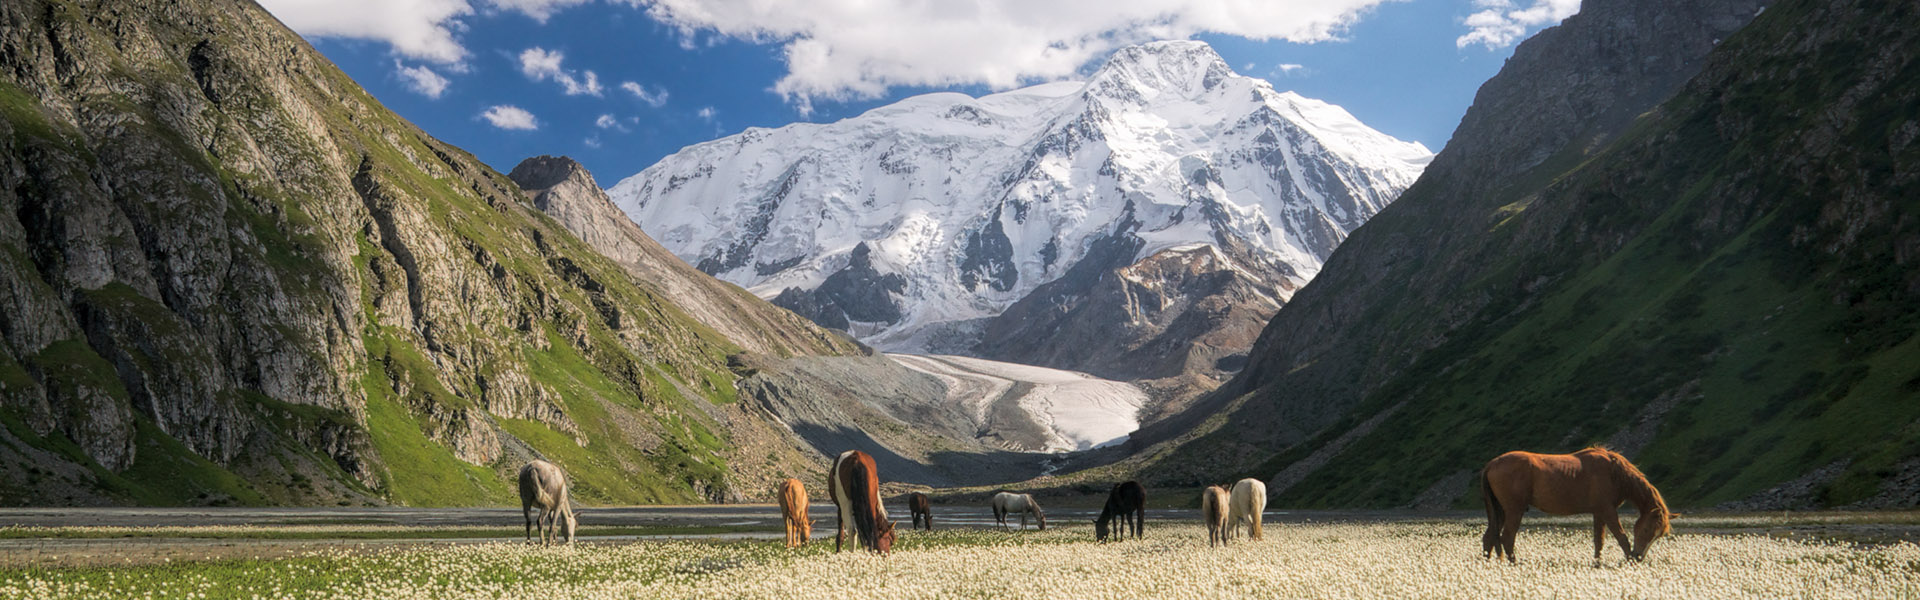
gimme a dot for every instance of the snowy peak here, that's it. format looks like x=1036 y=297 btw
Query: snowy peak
x=966 y=205
x=1184 y=67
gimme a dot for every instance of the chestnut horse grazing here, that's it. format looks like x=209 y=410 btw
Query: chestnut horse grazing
x=922 y=510
x=1594 y=480
x=1127 y=502
x=543 y=486
x=1005 y=503
x=1213 y=510
x=793 y=510
x=1248 y=501
x=854 y=484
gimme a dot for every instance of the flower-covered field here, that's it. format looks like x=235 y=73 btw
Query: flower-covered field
x=1366 y=560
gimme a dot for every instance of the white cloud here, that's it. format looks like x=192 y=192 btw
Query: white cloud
x=609 y=122
x=653 y=99
x=1288 y=67
x=1500 y=23
x=540 y=64
x=707 y=113
x=539 y=10
x=507 y=116
x=421 y=79
x=418 y=29
x=592 y=142
x=841 y=49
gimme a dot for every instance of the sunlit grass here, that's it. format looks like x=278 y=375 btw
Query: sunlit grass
x=1367 y=560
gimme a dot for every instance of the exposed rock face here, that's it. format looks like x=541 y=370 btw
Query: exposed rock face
x=565 y=191
x=1725 y=280
x=227 y=274
x=855 y=293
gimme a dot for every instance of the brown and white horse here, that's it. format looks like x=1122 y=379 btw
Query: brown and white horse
x=921 y=509
x=854 y=484
x=1005 y=503
x=544 y=487
x=1594 y=480
x=793 y=510
x=1213 y=510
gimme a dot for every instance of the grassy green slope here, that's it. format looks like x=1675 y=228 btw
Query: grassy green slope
x=1735 y=270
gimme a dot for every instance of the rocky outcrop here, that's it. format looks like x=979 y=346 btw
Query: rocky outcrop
x=564 y=190
x=227 y=274
x=855 y=293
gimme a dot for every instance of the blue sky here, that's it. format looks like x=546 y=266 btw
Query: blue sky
x=619 y=84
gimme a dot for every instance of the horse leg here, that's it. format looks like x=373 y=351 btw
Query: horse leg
x=527 y=511
x=1599 y=539
x=1613 y=524
x=1510 y=530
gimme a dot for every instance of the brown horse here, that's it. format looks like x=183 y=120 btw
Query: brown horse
x=793 y=510
x=922 y=510
x=1594 y=480
x=1213 y=510
x=854 y=484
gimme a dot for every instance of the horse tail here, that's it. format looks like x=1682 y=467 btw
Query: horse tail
x=1495 y=514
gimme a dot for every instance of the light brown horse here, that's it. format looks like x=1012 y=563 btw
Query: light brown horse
x=1594 y=480
x=854 y=484
x=543 y=487
x=793 y=510
x=1214 y=503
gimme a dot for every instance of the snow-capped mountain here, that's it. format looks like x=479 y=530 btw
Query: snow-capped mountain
x=914 y=224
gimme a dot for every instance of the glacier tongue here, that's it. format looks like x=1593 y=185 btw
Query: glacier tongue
x=971 y=203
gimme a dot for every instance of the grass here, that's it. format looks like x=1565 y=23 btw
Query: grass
x=1355 y=560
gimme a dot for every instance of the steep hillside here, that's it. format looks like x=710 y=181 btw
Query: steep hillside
x=1722 y=288
x=1154 y=213
x=227 y=274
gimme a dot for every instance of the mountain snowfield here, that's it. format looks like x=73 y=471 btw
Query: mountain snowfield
x=1071 y=411
x=941 y=210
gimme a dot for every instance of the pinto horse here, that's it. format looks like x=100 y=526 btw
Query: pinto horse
x=1595 y=480
x=1213 y=510
x=793 y=510
x=1005 y=503
x=922 y=510
x=854 y=484
x=1127 y=502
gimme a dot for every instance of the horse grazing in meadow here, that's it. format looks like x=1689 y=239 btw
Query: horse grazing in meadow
x=544 y=486
x=1005 y=503
x=793 y=510
x=1127 y=502
x=1594 y=480
x=854 y=484
x=922 y=510
x=1244 y=508
x=1213 y=510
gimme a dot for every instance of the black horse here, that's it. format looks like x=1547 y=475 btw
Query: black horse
x=1127 y=500
x=922 y=510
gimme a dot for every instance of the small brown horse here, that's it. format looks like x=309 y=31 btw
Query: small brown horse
x=1594 y=480
x=1127 y=502
x=1213 y=510
x=793 y=510
x=922 y=510
x=854 y=484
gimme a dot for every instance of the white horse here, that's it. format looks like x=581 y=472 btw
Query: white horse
x=1009 y=502
x=544 y=486
x=1249 y=499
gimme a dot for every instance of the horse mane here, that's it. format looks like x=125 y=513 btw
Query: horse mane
x=1644 y=496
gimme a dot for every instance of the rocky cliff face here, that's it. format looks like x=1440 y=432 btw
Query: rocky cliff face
x=1720 y=288
x=229 y=275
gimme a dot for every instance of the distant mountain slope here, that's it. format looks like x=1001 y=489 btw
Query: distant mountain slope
x=918 y=224
x=1724 y=289
x=227 y=274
